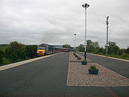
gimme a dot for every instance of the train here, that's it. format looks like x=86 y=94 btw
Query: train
x=46 y=49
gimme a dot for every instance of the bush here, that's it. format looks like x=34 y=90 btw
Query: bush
x=125 y=55
x=93 y=70
x=127 y=50
x=15 y=51
x=100 y=51
x=79 y=58
x=30 y=51
x=84 y=62
x=1 y=56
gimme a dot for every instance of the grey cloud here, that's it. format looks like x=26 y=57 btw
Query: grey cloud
x=55 y=21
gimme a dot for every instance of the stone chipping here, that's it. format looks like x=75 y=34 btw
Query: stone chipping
x=78 y=75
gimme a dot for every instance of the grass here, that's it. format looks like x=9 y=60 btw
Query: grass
x=6 y=61
x=123 y=56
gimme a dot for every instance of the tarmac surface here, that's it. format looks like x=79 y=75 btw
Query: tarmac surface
x=119 y=66
x=48 y=77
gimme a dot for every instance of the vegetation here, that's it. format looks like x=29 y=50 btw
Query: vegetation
x=1 y=56
x=66 y=46
x=79 y=58
x=16 y=52
x=81 y=48
x=93 y=70
x=84 y=62
x=30 y=51
x=113 y=49
x=3 y=47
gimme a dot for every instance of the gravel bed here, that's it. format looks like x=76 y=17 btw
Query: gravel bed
x=78 y=75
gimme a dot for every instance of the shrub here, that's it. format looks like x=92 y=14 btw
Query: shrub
x=84 y=62
x=93 y=70
x=15 y=51
x=79 y=58
x=125 y=55
x=30 y=51
x=1 y=56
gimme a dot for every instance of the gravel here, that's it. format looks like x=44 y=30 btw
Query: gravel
x=78 y=75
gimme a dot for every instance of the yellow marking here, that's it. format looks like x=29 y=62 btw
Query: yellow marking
x=40 y=52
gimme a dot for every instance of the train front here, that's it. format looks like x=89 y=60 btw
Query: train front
x=41 y=51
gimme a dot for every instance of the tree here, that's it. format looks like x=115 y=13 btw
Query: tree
x=30 y=51
x=81 y=48
x=113 y=48
x=89 y=46
x=92 y=46
x=15 y=51
x=101 y=51
x=66 y=46
x=95 y=44
x=127 y=50
x=122 y=51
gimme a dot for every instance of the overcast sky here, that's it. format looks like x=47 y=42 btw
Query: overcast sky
x=56 y=21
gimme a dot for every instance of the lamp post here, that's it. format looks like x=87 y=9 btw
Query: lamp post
x=85 y=6
x=107 y=43
x=75 y=41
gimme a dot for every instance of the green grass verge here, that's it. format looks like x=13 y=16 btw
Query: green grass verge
x=124 y=56
x=121 y=57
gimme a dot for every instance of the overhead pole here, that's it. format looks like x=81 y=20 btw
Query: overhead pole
x=85 y=43
x=107 y=42
x=75 y=41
